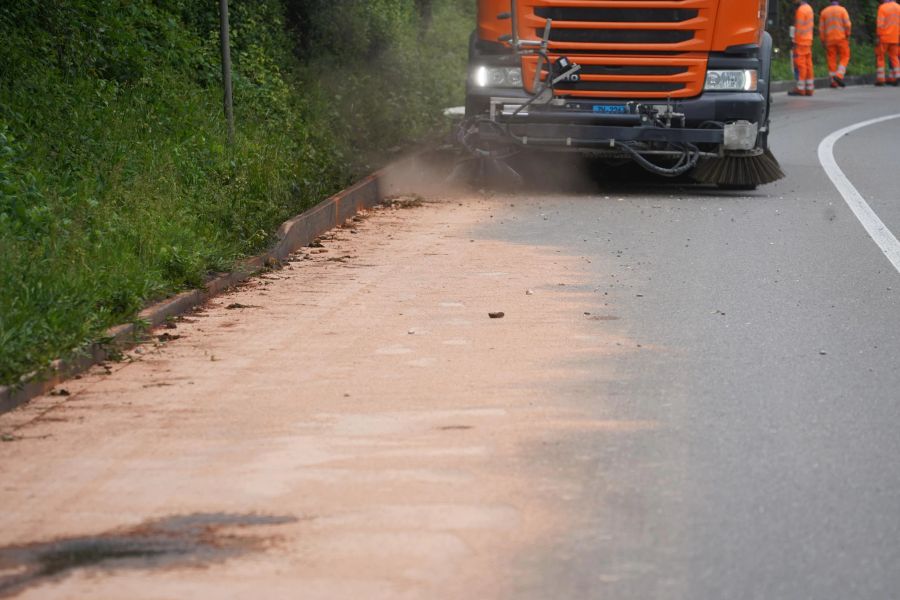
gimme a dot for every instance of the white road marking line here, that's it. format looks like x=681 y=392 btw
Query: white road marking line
x=876 y=229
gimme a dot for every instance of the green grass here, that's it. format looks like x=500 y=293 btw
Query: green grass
x=862 y=61
x=116 y=185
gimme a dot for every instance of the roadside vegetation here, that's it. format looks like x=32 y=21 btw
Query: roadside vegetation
x=116 y=184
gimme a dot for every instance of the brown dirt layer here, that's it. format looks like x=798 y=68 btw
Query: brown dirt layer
x=362 y=395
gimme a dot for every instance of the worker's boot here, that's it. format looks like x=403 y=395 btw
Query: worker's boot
x=840 y=81
x=879 y=84
x=894 y=83
x=834 y=82
x=796 y=92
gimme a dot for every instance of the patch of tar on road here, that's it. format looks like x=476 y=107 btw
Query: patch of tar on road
x=196 y=540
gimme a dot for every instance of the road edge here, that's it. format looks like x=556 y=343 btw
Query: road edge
x=293 y=234
x=823 y=82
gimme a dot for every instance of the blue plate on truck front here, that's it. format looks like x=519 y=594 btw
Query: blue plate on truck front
x=614 y=109
x=607 y=109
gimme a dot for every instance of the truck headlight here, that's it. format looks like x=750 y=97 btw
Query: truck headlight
x=508 y=77
x=744 y=80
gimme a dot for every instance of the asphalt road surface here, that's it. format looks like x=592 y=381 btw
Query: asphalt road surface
x=691 y=395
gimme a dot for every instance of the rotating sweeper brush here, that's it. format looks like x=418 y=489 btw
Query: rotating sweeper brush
x=739 y=171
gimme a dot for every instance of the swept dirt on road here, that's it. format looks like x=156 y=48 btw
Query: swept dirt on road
x=354 y=425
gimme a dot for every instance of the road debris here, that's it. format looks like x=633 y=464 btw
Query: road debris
x=403 y=201
x=496 y=315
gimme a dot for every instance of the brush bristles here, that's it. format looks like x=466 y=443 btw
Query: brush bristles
x=739 y=171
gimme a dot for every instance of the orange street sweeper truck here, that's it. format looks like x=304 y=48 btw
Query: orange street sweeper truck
x=679 y=86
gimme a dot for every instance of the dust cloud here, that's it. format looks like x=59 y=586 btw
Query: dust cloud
x=453 y=172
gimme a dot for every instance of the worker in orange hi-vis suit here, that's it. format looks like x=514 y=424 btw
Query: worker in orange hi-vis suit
x=834 y=31
x=802 y=37
x=888 y=33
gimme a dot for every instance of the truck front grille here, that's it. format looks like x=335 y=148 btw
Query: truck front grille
x=631 y=75
x=627 y=48
x=616 y=15
x=624 y=70
x=621 y=86
x=618 y=36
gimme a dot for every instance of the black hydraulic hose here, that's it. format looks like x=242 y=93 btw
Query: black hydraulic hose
x=542 y=57
x=688 y=160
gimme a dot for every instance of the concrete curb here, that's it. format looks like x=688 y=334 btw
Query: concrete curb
x=824 y=82
x=293 y=234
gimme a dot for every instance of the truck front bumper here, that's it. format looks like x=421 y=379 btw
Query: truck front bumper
x=600 y=125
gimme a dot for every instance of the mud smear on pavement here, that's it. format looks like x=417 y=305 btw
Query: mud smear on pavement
x=195 y=540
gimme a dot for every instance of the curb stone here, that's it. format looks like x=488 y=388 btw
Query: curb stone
x=295 y=233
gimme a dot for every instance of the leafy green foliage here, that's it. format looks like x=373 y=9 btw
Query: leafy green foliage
x=116 y=185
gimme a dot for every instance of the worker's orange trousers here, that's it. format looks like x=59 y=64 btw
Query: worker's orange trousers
x=838 y=58
x=893 y=73
x=803 y=64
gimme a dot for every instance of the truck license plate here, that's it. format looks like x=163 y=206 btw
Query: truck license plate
x=618 y=109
